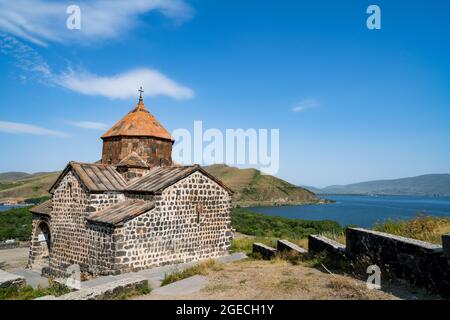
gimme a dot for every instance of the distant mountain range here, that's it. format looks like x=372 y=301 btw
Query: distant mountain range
x=424 y=185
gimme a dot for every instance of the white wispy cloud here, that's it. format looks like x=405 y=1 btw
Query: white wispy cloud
x=26 y=59
x=89 y=125
x=124 y=85
x=23 y=128
x=306 y=104
x=120 y=86
x=44 y=21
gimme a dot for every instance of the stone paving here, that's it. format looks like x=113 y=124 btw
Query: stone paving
x=156 y=275
x=185 y=286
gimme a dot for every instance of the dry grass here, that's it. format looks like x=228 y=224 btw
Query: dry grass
x=425 y=228
x=202 y=268
x=349 y=288
x=278 y=279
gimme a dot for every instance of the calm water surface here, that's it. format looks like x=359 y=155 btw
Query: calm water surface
x=363 y=211
x=4 y=208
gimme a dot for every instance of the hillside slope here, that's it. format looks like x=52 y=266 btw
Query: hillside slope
x=253 y=188
x=12 y=176
x=29 y=186
x=250 y=187
x=424 y=185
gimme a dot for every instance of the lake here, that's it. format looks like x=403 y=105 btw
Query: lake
x=4 y=208
x=363 y=211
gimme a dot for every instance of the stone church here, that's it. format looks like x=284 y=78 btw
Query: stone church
x=133 y=209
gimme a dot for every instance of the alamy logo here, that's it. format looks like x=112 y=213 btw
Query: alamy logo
x=374 y=279
x=73 y=22
x=374 y=20
x=73 y=279
x=255 y=147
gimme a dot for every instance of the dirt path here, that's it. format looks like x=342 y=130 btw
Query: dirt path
x=255 y=279
x=14 y=258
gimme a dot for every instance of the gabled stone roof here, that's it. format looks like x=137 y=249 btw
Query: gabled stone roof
x=119 y=213
x=159 y=179
x=138 y=123
x=102 y=177
x=43 y=208
x=95 y=177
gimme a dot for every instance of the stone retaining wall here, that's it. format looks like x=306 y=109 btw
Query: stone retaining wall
x=265 y=251
x=423 y=264
x=287 y=246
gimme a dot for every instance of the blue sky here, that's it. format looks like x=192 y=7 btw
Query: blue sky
x=352 y=104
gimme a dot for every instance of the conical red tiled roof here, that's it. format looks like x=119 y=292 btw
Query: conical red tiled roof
x=138 y=123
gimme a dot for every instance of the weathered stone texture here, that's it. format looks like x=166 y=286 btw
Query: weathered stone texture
x=8 y=280
x=73 y=240
x=266 y=252
x=446 y=245
x=154 y=151
x=422 y=263
x=191 y=221
x=285 y=245
x=319 y=243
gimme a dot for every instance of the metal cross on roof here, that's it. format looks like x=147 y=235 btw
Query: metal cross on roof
x=140 y=90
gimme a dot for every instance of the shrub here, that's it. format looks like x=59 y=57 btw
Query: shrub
x=257 y=224
x=15 y=224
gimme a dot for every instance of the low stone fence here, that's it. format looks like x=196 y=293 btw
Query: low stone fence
x=268 y=253
x=423 y=264
x=318 y=244
x=265 y=251
x=287 y=246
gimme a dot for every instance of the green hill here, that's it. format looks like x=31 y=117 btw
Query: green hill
x=27 y=186
x=424 y=185
x=12 y=176
x=251 y=187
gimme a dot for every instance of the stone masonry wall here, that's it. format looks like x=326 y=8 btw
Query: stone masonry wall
x=36 y=249
x=422 y=263
x=153 y=151
x=73 y=240
x=191 y=221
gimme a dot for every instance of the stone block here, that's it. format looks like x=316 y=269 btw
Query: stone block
x=446 y=245
x=318 y=244
x=421 y=263
x=265 y=251
x=8 y=280
x=106 y=290
x=285 y=245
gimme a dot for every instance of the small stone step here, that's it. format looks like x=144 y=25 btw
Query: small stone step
x=285 y=245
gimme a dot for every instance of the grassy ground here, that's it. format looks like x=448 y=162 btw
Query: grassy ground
x=280 y=279
x=28 y=293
